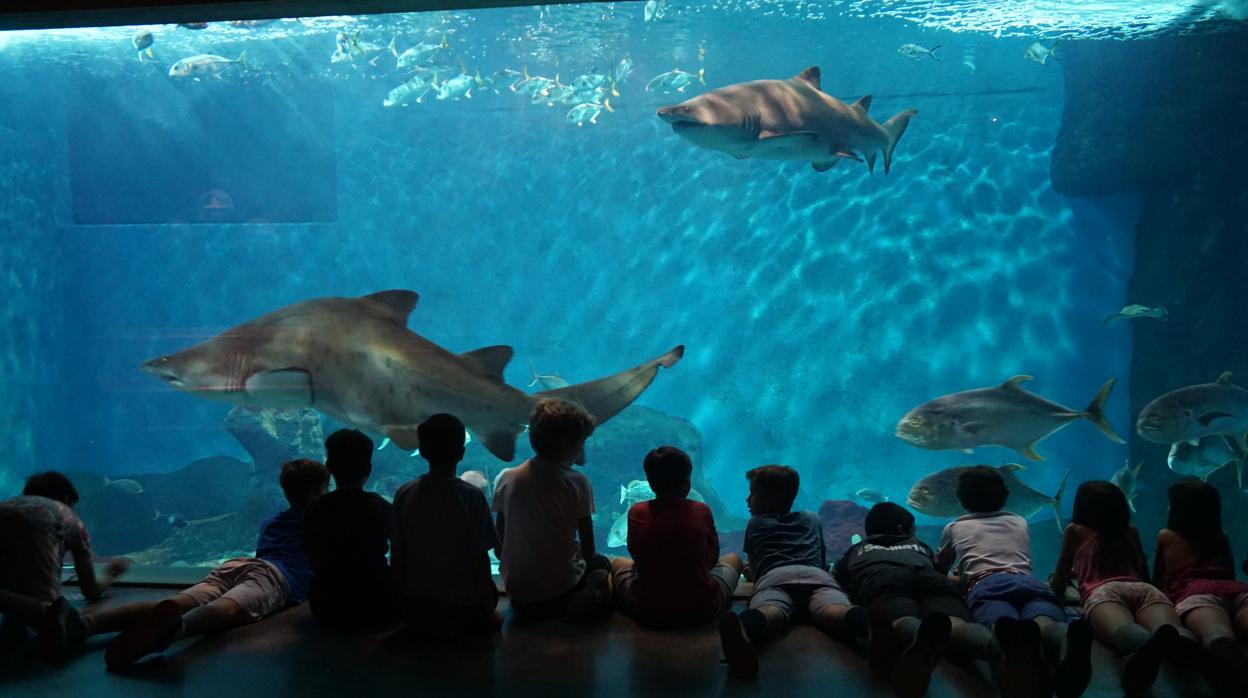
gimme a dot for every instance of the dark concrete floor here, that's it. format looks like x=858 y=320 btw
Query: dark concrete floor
x=289 y=655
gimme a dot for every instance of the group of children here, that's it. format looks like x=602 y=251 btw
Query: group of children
x=902 y=604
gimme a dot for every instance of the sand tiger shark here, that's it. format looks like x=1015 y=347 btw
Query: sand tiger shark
x=355 y=360
x=787 y=120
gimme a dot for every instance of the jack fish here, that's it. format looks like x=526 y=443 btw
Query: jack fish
x=1125 y=479
x=355 y=360
x=1189 y=413
x=1040 y=54
x=203 y=64
x=937 y=494
x=1005 y=415
x=1133 y=311
x=786 y=120
x=917 y=53
x=1209 y=455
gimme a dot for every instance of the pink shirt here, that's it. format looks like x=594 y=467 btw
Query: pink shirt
x=1093 y=569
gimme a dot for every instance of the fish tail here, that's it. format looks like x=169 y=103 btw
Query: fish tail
x=242 y=58
x=1095 y=412
x=1053 y=51
x=932 y=52
x=533 y=368
x=1057 y=503
x=394 y=44
x=1110 y=317
x=605 y=397
x=1165 y=314
x=895 y=127
x=702 y=75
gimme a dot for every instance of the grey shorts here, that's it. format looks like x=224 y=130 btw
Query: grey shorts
x=794 y=587
x=1233 y=604
x=256 y=586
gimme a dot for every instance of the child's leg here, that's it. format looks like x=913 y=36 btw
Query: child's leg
x=1209 y=623
x=1053 y=635
x=1155 y=615
x=118 y=618
x=970 y=641
x=217 y=617
x=1114 y=624
x=1239 y=615
x=913 y=671
x=828 y=606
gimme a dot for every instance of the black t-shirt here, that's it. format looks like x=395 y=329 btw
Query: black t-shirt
x=866 y=564
x=347 y=535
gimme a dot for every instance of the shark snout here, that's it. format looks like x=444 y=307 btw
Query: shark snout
x=678 y=115
x=161 y=369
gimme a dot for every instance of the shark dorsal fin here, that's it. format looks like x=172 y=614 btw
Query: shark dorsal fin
x=1225 y=378
x=489 y=361
x=395 y=305
x=1015 y=382
x=810 y=75
x=864 y=103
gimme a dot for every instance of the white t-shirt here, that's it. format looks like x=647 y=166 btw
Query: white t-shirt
x=541 y=503
x=987 y=543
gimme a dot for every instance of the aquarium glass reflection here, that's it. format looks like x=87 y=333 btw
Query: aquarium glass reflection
x=801 y=266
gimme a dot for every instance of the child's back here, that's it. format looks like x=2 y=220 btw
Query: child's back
x=673 y=543
x=988 y=543
x=773 y=541
x=541 y=502
x=347 y=535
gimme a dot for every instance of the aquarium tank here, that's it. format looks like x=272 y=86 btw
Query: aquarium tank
x=224 y=240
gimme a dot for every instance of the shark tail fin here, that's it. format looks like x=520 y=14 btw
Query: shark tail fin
x=605 y=397
x=1095 y=412
x=895 y=127
x=1057 y=503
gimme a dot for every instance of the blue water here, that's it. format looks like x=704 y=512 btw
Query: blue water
x=816 y=308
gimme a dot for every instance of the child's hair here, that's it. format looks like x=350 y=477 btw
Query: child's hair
x=52 y=485
x=1102 y=507
x=887 y=518
x=1196 y=514
x=302 y=480
x=780 y=480
x=441 y=438
x=349 y=456
x=667 y=469
x=981 y=489
x=556 y=425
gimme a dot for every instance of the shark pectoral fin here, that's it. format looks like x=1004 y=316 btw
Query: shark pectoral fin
x=501 y=443
x=797 y=141
x=403 y=437
x=287 y=387
x=1029 y=452
x=393 y=305
x=825 y=165
x=847 y=155
x=489 y=361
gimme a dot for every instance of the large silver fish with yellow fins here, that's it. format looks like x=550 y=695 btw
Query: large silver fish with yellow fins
x=1003 y=415
x=355 y=360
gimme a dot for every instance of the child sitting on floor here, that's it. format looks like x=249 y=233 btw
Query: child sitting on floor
x=676 y=577
x=788 y=563
x=238 y=592
x=1194 y=566
x=1102 y=550
x=903 y=602
x=548 y=561
x=37 y=529
x=442 y=537
x=347 y=534
x=993 y=551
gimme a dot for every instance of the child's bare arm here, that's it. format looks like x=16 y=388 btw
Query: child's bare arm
x=1141 y=560
x=1159 y=556
x=585 y=531
x=498 y=528
x=1065 y=560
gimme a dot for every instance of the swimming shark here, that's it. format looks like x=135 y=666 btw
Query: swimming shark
x=355 y=360
x=787 y=120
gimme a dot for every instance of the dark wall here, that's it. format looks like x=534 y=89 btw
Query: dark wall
x=1164 y=119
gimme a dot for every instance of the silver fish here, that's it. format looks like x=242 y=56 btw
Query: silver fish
x=1040 y=54
x=549 y=382
x=588 y=112
x=617 y=537
x=1005 y=415
x=125 y=485
x=413 y=90
x=204 y=64
x=477 y=479
x=675 y=81
x=867 y=494
x=937 y=494
x=917 y=53
x=1133 y=311
x=142 y=42
x=1189 y=413
x=1209 y=455
x=1125 y=479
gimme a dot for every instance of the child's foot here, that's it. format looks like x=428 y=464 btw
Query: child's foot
x=882 y=644
x=741 y=656
x=1227 y=650
x=913 y=671
x=60 y=631
x=1139 y=670
x=1023 y=672
x=1215 y=665
x=154 y=633
x=1074 y=673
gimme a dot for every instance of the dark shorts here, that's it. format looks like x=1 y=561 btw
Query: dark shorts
x=726 y=578
x=553 y=608
x=1018 y=596
x=908 y=592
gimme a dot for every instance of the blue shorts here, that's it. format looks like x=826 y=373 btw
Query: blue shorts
x=1018 y=596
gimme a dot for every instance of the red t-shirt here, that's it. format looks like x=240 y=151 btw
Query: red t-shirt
x=672 y=543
